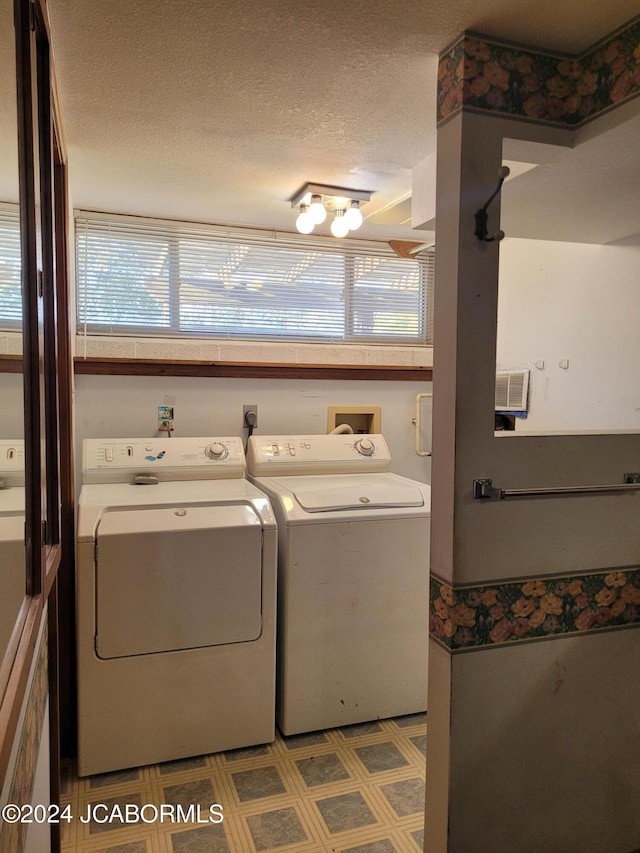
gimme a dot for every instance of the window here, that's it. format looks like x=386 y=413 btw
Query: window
x=10 y=284
x=142 y=277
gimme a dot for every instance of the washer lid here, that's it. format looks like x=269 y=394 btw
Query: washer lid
x=361 y=493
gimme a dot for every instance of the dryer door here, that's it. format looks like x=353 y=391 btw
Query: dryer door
x=171 y=578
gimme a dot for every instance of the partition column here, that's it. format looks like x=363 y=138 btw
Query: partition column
x=532 y=737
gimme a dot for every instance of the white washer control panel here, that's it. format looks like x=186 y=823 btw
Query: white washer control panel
x=319 y=454
x=119 y=460
x=11 y=462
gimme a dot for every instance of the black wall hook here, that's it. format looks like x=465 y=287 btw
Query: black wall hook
x=482 y=214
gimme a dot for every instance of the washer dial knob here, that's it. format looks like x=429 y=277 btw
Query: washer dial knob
x=216 y=451
x=365 y=446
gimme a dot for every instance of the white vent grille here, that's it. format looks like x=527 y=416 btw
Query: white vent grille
x=512 y=387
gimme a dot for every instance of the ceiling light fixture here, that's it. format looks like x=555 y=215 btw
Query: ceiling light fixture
x=340 y=226
x=352 y=216
x=317 y=210
x=314 y=200
x=304 y=222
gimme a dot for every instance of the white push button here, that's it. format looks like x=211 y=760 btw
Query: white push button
x=108 y=454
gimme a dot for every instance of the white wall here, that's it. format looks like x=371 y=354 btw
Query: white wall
x=578 y=302
x=121 y=406
x=12 y=425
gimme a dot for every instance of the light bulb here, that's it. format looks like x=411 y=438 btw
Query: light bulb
x=353 y=217
x=317 y=210
x=304 y=222
x=339 y=227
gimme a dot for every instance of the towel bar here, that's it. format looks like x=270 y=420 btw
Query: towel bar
x=485 y=490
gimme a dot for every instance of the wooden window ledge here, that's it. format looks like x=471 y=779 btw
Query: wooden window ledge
x=247 y=370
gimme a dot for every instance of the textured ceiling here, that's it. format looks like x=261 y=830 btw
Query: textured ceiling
x=218 y=111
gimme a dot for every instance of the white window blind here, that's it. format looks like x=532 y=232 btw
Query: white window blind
x=10 y=284
x=143 y=277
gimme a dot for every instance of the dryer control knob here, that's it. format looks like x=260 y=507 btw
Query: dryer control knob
x=216 y=451
x=365 y=446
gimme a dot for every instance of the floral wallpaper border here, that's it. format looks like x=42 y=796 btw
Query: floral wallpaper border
x=13 y=835
x=516 y=81
x=516 y=611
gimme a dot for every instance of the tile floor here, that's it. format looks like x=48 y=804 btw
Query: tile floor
x=359 y=789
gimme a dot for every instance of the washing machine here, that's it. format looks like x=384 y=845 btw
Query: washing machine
x=353 y=579
x=176 y=602
x=12 y=549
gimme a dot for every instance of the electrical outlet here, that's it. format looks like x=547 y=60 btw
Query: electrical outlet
x=165 y=418
x=246 y=409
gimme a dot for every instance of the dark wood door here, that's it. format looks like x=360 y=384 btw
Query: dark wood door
x=47 y=370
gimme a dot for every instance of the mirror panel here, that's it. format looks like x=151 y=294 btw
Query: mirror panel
x=12 y=492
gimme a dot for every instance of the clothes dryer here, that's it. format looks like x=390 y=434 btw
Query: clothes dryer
x=353 y=579
x=176 y=601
